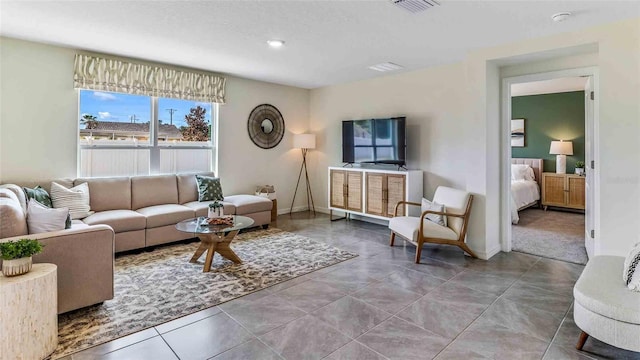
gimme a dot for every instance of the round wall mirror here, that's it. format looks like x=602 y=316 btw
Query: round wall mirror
x=265 y=126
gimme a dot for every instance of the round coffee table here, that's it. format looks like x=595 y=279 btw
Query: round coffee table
x=214 y=238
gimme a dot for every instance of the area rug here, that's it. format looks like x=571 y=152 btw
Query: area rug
x=158 y=286
x=552 y=234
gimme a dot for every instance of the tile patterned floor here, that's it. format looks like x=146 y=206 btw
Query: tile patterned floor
x=383 y=306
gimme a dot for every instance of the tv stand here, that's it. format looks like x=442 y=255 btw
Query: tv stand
x=373 y=193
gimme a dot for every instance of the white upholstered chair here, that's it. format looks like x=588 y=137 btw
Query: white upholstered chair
x=419 y=230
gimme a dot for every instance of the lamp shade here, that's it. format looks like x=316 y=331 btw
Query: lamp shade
x=304 y=141
x=561 y=148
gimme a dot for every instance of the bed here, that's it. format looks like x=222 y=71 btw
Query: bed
x=525 y=192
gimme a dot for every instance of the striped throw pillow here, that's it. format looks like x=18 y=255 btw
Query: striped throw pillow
x=631 y=273
x=75 y=199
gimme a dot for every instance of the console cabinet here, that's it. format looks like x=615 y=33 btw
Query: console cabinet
x=372 y=192
x=563 y=190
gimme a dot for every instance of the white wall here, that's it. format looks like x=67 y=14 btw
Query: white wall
x=453 y=113
x=39 y=112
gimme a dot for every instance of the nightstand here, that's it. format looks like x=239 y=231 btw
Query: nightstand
x=563 y=190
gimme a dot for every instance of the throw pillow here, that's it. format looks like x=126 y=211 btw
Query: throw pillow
x=631 y=272
x=43 y=219
x=433 y=206
x=42 y=196
x=521 y=172
x=209 y=188
x=39 y=194
x=75 y=199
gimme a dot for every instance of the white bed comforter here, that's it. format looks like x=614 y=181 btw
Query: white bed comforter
x=523 y=192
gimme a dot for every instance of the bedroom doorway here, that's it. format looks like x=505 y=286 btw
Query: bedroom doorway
x=548 y=133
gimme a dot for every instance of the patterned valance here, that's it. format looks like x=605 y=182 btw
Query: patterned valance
x=96 y=73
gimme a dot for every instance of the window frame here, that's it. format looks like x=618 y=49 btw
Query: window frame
x=153 y=146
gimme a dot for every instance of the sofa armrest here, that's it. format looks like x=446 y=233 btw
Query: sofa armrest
x=84 y=258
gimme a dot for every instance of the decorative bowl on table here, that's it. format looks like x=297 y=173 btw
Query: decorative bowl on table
x=219 y=221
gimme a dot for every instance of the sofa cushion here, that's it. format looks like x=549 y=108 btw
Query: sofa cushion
x=188 y=187
x=202 y=207
x=78 y=224
x=13 y=221
x=108 y=193
x=600 y=290
x=39 y=194
x=168 y=214
x=17 y=190
x=408 y=227
x=247 y=204
x=148 y=191
x=119 y=220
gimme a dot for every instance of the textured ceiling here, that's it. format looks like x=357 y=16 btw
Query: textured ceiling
x=327 y=42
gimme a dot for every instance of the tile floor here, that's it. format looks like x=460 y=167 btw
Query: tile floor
x=383 y=306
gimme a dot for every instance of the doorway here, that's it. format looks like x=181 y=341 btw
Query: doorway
x=549 y=130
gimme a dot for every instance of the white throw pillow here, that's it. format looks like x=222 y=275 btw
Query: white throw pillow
x=433 y=206
x=42 y=219
x=75 y=199
x=522 y=172
x=631 y=272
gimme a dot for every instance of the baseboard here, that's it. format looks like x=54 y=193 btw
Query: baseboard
x=295 y=209
x=486 y=255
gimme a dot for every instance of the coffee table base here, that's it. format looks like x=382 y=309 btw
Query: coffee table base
x=212 y=243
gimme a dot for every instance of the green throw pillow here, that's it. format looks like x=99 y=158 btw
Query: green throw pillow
x=209 y=188
x=42 y=196
x=38 y=194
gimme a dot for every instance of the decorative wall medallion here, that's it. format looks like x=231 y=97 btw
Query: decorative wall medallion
x=265 y=126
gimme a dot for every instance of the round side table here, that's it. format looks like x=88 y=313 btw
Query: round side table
x=29 y=313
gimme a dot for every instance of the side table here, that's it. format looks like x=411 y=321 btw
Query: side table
x=274 y=210
x=29 y=313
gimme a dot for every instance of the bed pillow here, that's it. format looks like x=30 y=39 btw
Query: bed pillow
x=75 y=199
x=522 y=172
x=433 y=206
x=631 y=272
x=42 y=219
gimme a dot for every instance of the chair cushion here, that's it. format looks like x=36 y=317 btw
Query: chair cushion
x=148 y=191
x=168 y=214
x=408 y=227
x=188 y=187
x=248 y=204
x=202 y=207
x=455 y=201
x=119 y=220
x=108 y=193
x=600 y=290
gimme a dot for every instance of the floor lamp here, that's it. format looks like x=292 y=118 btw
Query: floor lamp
x=304 y=142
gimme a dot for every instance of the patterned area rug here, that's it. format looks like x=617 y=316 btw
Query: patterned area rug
x=155 y=287
x=552 y=234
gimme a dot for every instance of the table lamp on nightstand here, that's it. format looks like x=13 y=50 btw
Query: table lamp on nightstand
x=561 y=149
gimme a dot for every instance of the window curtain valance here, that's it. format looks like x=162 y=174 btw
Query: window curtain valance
x=96 y=73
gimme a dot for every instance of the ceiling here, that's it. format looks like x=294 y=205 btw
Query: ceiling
x=553 y=86
x=327 y=42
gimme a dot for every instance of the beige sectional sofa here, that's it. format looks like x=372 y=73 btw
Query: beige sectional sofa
x=129 y=213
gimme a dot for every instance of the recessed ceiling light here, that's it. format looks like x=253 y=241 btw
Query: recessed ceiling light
x=275 y=43
x=388 y=66
x=562 y=16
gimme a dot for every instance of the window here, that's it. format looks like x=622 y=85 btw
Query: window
x=122 y=134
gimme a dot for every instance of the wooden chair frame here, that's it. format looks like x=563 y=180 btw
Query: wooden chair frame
x=422 y=239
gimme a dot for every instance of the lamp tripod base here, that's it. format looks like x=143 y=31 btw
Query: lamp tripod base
x=310 y=203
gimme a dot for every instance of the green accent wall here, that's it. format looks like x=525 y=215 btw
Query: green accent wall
x=550 y=117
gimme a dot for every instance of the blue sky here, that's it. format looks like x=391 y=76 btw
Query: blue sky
x=108 y=106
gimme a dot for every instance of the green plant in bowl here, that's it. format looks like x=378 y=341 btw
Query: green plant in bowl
x=16 y=256
x=579 y=164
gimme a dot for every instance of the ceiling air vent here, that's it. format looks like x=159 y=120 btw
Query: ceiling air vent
x=388 y=66
x=415 y=6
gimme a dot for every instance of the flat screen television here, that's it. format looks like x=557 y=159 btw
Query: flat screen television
x=374 y=141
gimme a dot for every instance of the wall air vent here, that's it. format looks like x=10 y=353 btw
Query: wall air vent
x=388 y=66
x=415 y=6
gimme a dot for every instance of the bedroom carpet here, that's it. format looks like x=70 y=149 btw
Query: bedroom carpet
x=158 y=286
x=552 y=234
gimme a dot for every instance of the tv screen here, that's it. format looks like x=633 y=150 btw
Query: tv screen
x=377 y=141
